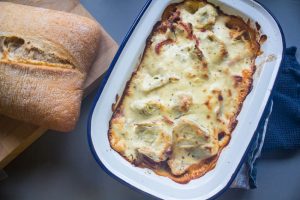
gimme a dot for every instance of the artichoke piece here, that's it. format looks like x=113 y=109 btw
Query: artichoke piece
x=147 y=107
x=191 y=145
x=187 y=134
x=158 y=81
x=152 y=141
x=193 y=5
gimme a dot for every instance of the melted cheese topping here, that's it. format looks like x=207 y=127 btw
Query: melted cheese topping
x=188 y=89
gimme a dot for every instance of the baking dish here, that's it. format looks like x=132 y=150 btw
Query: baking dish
x=125 y=62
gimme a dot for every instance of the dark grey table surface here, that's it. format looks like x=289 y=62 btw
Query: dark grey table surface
x=60 y=166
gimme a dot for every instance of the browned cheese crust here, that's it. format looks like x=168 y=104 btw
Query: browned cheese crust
x=185 y=132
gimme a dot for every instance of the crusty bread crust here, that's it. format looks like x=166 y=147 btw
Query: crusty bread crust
x=49 y=96
x=78 y=35
x=45 y=56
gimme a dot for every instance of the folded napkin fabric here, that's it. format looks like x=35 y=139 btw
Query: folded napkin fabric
x=283 y=131
x=279 y=127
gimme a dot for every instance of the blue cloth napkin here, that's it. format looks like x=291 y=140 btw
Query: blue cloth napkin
x=279 y=127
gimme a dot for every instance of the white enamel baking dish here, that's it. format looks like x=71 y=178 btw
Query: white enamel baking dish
x=126 y=60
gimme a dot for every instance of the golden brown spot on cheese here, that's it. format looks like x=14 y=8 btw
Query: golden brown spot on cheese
x=237 y=80
x=205 y=76
x=186 y=102
x=229 y=92
x=262 y=39
x=220 y=97
x=257 y=26
x=221 y=135
x=114 y=105
x=207 y=104
x=168 y=120
x=174 y=17
x=188 y=28
x=161 y=44
x=215 y=91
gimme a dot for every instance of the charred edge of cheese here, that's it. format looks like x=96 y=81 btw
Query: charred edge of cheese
x=115 y=133
x=193 y=172
x=180 y=106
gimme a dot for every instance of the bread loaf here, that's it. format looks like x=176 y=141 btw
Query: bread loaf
x=45 y=56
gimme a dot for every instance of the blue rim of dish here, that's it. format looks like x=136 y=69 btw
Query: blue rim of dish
x=105 y=79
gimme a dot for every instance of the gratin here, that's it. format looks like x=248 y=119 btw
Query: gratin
x=180 y=106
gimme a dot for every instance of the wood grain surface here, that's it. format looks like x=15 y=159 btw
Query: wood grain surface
x=16 y=136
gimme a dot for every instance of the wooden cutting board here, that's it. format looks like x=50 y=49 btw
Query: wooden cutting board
x=16 y=136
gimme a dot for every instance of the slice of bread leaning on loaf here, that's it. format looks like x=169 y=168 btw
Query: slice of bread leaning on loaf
x=45 y=56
